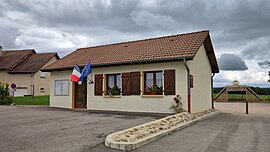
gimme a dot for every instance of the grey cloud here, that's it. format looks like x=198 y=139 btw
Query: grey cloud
x=258 y=49
x=231 y=62
x=232 y=23
x=241 y=26
x=264 y=64
x=153 y=21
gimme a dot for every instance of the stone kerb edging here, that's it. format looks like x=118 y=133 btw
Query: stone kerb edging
x=138 y=136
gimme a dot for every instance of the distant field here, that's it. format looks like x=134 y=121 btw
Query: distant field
x=243 y=97
x=28 y=100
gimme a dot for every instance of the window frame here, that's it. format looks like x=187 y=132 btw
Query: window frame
x=115 y=83
x=154 y=82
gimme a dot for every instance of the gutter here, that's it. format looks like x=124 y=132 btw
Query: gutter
x=212 y=90
x=188 y=85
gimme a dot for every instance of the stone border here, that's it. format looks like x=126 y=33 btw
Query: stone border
x=129 y=143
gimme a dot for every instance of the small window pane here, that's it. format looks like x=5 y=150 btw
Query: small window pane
x=159 y=79
x=118 y=81
x=111 y=81
x=149 y=79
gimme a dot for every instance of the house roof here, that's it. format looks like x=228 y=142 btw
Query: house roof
x=24 y=61
x=11 y=58
x=33 y=63
x=167 y=48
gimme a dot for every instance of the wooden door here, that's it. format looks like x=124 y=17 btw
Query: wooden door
x=81 y=95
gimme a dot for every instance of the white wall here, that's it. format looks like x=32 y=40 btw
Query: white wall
x=139 y=103
x=124 y=103
x=201 y=92
x=60 y=101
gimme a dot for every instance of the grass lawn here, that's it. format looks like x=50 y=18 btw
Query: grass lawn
x=243 y=97
x=28 y=100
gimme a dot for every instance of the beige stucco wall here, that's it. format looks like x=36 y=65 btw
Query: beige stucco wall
x=27 y=80
x=60 y=101
x=139 y=103
x=21 y=80
x=43 y=82
x=201 y=92
x=134 y=103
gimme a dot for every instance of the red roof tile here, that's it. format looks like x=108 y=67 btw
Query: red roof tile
x=166 y=48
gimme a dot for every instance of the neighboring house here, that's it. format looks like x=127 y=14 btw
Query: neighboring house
x=139 y=76
x=22 y=67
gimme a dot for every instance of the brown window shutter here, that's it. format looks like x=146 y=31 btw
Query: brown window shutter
x=135 y=83
x=169 y=82
x=98 y=84
x=125 y=84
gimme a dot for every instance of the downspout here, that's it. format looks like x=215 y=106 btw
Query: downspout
x=33 y=86
x=188 y=85
x=212 y=90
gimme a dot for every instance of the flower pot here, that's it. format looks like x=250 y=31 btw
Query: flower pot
x=152 y=93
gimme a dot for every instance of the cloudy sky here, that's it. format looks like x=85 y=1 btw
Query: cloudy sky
x=240 y=29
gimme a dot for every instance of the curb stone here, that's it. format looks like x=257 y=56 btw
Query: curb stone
x=141 y=142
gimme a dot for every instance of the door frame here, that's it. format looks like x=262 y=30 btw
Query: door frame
x=74 y=96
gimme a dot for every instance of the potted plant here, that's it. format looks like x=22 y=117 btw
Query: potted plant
x=153 y=90
x=114 y=91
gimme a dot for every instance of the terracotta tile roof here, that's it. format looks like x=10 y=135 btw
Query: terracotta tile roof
x=11 y=58
x=33 y=63
x=166 y=48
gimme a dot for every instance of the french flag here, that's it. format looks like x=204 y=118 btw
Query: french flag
x=76 y=74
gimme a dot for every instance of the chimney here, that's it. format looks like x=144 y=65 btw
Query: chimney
x=1 y=50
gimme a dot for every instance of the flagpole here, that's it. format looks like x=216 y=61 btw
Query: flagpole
x=91 y=81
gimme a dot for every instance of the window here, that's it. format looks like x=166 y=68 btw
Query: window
x=42 y=89
x=113 y=84
x=42 y=75
x=153 y=83
x=61 y=88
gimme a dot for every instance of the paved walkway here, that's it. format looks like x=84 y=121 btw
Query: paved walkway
x=255 y=109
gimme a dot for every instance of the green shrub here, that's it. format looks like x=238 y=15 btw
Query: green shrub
x=6 y=101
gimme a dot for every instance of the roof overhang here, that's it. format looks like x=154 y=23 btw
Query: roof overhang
x=122 y=63
x=211 y=54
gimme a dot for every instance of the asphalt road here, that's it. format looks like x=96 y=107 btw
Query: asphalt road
x=45 y=129
x=222 y=133
x=41 y=129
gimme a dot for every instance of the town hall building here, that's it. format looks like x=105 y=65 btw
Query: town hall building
x=139 y=76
